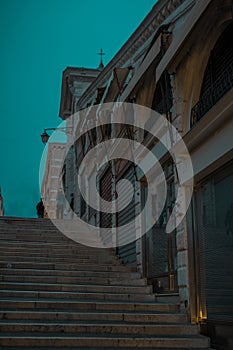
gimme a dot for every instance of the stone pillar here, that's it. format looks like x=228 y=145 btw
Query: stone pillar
x=182 y=265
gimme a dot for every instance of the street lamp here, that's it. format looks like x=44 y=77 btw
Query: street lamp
x=45 y=136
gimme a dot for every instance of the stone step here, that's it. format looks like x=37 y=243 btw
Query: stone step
x=100 y=316
x=34 y=235
x=55 y=250
x=13 y=219
x=17 y=243
x=58 y=246
x=34 y=228
x=31 y=230
x=100 y=328
x=58 y=340
x=51 y=238
x=56 y=287
x=106 y=348
x=64 y=266
x=59 y=252
x=59 y=294
x=33 y=222
x=78 y=305
x=69 y=245
x=67 y=259
x=41 y=237
x=73 y=280
x=30 y=238
x=60 y=257
x=168 y=297
x=77 y=296
x=41 y=230
x=125 y=275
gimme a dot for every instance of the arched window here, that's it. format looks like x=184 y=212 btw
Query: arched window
x=218 y=77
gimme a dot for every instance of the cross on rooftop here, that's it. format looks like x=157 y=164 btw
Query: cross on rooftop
x=101 y=53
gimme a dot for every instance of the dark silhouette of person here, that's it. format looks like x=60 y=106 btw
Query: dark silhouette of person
x=40 y=209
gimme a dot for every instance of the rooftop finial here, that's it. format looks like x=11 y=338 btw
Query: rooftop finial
x=101 y=53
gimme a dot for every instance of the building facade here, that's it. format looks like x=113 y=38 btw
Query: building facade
x=1 y=203
x=52 y=177
x=178 y=62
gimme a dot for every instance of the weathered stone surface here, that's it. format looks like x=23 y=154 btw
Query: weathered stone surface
x=55 y=293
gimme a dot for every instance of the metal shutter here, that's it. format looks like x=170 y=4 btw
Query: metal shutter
x=127 y=253
x=106 y=193
x=214 y=201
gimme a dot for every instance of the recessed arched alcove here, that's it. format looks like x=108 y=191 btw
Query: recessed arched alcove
x=218 y=76
x=162 y=100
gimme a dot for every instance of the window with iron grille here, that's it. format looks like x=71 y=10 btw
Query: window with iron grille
x=218 y=77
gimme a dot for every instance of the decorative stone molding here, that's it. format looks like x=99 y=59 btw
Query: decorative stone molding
x=144 y=32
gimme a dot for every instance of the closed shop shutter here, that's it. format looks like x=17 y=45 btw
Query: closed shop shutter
x=92 y=213
x=127 y=252
x=160 y=259
x=106 y=194
x=214 y=203
x=160 y=252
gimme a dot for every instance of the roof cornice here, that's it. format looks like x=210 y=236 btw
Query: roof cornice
x=158 y=14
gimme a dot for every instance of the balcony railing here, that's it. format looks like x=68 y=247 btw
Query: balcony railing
x=217 y=90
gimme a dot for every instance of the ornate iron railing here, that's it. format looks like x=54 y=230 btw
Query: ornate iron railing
x=217 y=90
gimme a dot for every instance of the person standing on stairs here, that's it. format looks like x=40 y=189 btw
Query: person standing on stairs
x=40 y=209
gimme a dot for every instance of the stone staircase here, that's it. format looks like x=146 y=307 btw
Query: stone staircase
x=58 y=294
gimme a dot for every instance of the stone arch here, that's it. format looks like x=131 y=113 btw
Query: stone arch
x=195 y=63
x=204 y=52
x=162 y=99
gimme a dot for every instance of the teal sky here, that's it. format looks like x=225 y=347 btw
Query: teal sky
x=39 y=39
